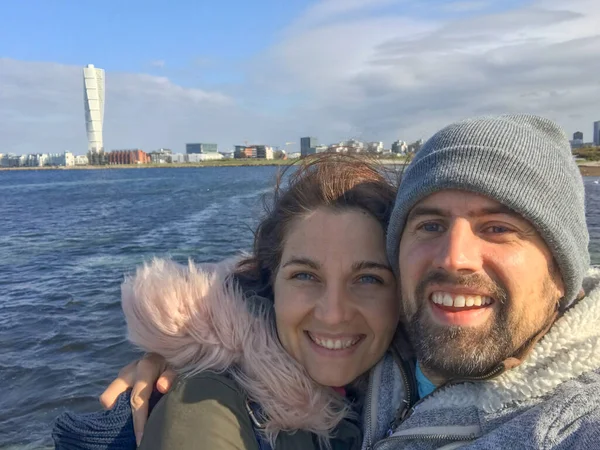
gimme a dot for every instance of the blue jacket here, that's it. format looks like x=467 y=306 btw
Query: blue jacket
x=103 y=430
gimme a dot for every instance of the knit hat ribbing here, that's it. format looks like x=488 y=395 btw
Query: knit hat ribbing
x=523 y=162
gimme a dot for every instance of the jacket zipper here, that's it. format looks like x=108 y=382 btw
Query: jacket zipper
x=374 y=382
x=491 y=374
x=429 y=437
x=408 y=399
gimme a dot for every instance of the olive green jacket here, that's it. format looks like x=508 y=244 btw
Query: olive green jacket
x=203 y=325
x=210 y=411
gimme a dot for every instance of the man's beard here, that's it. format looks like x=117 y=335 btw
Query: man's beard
x=453 y=352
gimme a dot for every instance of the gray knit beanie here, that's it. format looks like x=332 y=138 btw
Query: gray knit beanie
x=521 y=161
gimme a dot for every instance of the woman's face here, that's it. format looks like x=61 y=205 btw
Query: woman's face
x=335 y=295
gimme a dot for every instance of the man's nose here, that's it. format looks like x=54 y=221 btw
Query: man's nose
x=460 y=249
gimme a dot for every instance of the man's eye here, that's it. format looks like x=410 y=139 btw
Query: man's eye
x=498 y=229
x=431 y=227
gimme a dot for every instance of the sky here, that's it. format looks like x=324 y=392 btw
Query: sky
x=271 y=71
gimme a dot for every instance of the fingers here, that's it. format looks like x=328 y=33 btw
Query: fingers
x=140 y=376
x=124 y=381
x=165 y=381
x=148 y=370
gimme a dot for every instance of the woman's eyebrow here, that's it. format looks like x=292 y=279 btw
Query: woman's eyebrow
x=302 y=262
x=363 y=265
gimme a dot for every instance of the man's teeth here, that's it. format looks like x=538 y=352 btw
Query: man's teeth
x=334 y=344
x=460 y=301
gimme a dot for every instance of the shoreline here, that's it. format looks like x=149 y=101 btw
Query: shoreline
x=228 y=163
x=588 y=169
x=155 y=166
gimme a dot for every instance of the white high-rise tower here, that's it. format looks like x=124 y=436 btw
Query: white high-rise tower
x=93 y=87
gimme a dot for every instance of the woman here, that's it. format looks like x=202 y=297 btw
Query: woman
x=270 y=347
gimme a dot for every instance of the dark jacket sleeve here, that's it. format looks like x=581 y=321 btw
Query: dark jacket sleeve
x=206 y=411
x=101 y=430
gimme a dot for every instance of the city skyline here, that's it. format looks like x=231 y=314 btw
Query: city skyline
x=376 y=70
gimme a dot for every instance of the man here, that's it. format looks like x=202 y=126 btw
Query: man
x=489 y=238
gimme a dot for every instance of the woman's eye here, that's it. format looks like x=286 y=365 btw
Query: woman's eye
x=369 y=279
x=303 y=276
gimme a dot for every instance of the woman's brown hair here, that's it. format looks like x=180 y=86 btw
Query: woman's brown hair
x=335 y=181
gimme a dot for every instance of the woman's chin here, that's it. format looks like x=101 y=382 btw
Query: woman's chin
x=333 y=378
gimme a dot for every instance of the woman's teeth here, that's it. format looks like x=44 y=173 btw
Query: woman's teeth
x=334 y=344
x=460 y=301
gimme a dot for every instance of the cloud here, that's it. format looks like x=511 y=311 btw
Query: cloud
x=202 y=61
x=466 y=6
x=334 y=10
x=41 y=110
x=404 y=77
x=342 y=69
x=159 y=63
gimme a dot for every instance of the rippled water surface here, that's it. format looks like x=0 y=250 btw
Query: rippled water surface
x=66 y=240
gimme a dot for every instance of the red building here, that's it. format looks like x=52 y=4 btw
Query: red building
x=129 y=157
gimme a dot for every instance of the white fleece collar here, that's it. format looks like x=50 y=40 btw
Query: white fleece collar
x=569 y=350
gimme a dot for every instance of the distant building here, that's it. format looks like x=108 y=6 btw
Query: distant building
x=577 y=141
x=178 y=158
x=11 y=160
x=353 y=146
x=375 y=147
x=93 y=91
x=241 y=152
x=38 y=160
x=319 y=149
x=133 y=156
x=81 y=160
x=228 y=154
x=415 y=146
x=596 y=139
x=161 y=156
x=337 y=148
x=399 y=147
x=197 y=149
x=193 y=158
x=306 y=144
x=263 y=152
x=253 y=151
x=200 y=157
x=66 y=159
